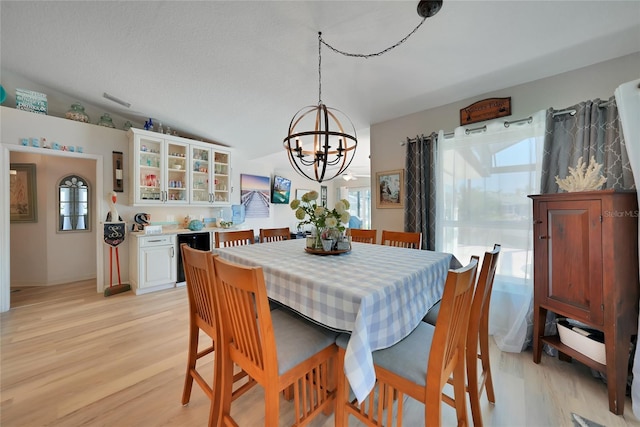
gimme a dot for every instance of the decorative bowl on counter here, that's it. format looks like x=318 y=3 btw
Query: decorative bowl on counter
x=195 y=225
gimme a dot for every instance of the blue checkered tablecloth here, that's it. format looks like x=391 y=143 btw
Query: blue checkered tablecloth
x=377 y=293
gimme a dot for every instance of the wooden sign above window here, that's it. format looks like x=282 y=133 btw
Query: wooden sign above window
x=487 y=109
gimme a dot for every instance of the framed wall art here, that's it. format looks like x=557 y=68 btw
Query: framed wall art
x=390 y=193
x=323 y=195
x=23 y=196
x=255 y=195
x=117 y=172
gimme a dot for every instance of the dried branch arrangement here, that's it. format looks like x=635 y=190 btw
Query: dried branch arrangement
x=583 y=177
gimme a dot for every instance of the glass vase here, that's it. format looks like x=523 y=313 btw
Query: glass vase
x=106 y=121
x=318 y=240
x=76 y=112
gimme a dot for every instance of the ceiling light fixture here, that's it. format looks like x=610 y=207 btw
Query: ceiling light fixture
x=326 y=147
x=318 y=146
x=348 y=176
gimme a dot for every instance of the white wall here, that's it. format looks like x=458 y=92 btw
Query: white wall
x=560 y=91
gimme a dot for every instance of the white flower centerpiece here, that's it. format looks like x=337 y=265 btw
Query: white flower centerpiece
x=328 y=224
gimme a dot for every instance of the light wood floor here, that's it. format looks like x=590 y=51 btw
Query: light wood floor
x=71 y=357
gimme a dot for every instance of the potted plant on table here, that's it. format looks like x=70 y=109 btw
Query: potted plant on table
x=328 y=224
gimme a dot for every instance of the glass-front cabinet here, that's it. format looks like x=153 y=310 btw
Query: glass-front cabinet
x=177 y=182
x=210 y=182
x=148 y=155
x=174 y=170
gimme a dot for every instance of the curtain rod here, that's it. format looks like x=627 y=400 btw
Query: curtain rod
x=573 y=111
x=471 y=130
x=507 y=123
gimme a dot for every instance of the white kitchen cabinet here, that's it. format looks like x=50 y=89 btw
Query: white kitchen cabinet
x=171 y=170
x=153 y=263
x=210 y=175
x=159 y=169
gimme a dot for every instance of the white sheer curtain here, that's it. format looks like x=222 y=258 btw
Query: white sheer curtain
x=628 y=100
x=483 y=181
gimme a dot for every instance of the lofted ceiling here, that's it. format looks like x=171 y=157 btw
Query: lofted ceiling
x=236 y=72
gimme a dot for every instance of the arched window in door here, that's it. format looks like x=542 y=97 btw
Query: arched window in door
x=73 y=200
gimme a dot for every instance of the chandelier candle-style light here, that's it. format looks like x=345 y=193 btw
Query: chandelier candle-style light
x=317 y=139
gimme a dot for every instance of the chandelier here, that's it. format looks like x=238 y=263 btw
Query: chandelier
x=324 y=146
x=317 y=144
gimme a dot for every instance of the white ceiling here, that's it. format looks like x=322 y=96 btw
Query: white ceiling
x=236 y=72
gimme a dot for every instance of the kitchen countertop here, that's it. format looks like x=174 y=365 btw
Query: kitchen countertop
x=181 y=231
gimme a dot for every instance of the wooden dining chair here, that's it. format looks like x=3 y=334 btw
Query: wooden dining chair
x=274 y=234
x=280 y=350
x=477 y=335
x=234 y=238
x=362 y=235
x=202 y=317
x=403 y=239
x=419 y=365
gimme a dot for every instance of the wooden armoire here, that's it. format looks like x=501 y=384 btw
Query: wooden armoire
x=586 y=268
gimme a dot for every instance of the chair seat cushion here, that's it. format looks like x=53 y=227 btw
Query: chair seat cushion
x=297 y=339
x=407 y=358
x=432 y=315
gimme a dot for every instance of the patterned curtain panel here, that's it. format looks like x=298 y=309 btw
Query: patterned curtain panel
x=593 y=131
x=420 y=202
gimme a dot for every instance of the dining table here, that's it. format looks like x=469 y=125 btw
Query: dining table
x=376 y=293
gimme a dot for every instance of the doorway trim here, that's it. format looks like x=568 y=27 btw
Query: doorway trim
x=5 y=255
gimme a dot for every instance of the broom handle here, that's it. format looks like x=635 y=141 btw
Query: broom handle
x=110 y=266
x=118 y=266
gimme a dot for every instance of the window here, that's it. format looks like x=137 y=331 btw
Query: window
x=359 y=206
x=73 y=199
x=483 y=183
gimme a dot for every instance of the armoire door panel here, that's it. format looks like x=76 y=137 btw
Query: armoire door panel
x=574 y=256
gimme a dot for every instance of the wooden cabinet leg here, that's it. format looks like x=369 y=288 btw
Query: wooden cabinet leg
x=539 y=321
x=617 y=370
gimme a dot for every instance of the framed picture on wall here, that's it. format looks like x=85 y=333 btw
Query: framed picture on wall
x=323 y=195
x=255 y=194
x=23 y=197
x=390 y=193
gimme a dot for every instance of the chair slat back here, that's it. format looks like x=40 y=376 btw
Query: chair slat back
x=362 y=235
x=200 y=290
x=479 y=314
x=242 y=298
x=449 y=339
x=274 y=234
x=234 y=238
x=402 y=239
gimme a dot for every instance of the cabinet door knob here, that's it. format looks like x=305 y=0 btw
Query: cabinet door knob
x=543 y=237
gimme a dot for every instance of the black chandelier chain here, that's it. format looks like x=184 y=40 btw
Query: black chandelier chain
x=369 y=55
x=319 y=68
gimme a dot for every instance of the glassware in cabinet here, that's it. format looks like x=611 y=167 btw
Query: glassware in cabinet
x=149 y=153
x=177 y=178
x=174 y=170
x=222 y=182
x=199 y=166
x=209 y=175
